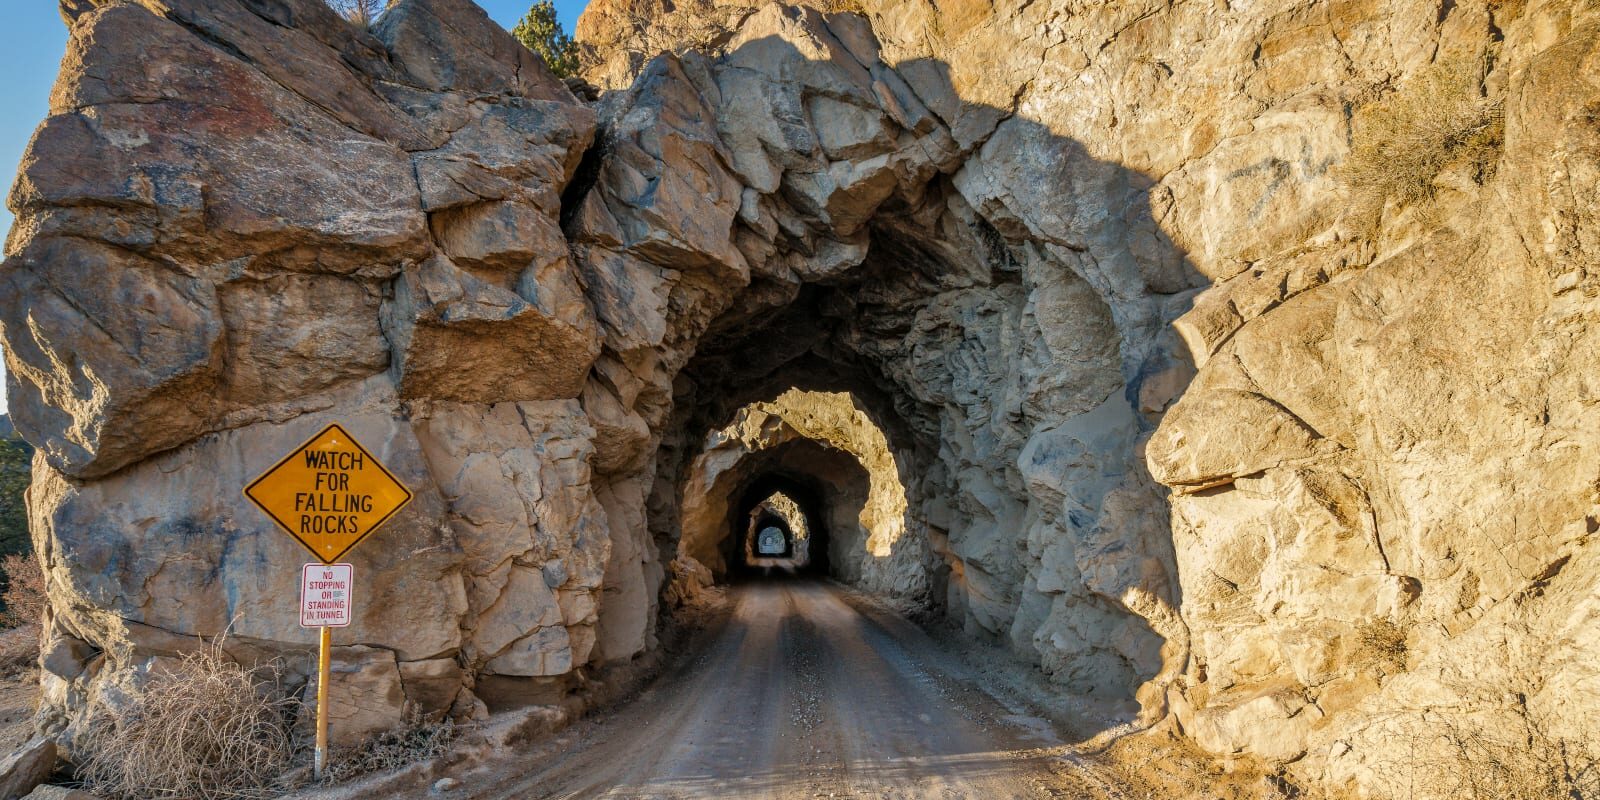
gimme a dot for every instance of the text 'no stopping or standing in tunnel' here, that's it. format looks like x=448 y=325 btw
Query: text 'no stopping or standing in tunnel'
x=325 y=595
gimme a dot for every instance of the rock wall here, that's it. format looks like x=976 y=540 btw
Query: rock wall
x=1181 y=412
x=1398 y=504
x=1383 y=492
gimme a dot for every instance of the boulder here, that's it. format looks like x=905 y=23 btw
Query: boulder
x=460 y=337
x=240 y=124
x=453 y=45
x=28 y=766
x=50 y=792
x=367 y=694
x=431 y=686
x=689 y=583
x=206 y=172
x=146 y=373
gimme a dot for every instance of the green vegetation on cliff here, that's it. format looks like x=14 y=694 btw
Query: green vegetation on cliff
x=16 y=458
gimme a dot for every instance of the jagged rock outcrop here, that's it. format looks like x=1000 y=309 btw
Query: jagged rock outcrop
x=281 y=220
x=1176 y=408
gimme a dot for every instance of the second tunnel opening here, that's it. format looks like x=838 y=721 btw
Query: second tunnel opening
x=812 y=471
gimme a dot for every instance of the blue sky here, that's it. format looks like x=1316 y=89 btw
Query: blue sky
x=34 y=38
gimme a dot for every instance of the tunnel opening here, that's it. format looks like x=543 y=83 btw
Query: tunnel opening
x=770 y=538
x=814 y=462
x=791 y=504
x=788 y=337
x=1007 y=373
x=947 y=482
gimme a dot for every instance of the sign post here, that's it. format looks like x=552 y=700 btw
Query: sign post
x=324 y=656
x=325 y=598
x=328 y=494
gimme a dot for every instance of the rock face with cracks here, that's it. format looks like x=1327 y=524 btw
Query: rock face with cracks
x=1171 y=414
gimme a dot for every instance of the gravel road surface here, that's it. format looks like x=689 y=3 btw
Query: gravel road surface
x=801 y=695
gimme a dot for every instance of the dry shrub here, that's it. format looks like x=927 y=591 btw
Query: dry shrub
x=1382 y=644
x=24 y=596
x=204 y=728
x=1436 y=120
x=360 y=13
x=19 y=650
x=419 y=741
x=25 y=602
x=1461 y=760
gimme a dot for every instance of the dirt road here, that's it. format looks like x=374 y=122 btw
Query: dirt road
x=800 y=695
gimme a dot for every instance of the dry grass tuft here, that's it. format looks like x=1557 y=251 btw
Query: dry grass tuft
x=1438 y=119
x=1381 y=643
x=205 y=728
x=418 y=742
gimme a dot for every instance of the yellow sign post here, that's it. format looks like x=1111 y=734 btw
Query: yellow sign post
x=328 y=494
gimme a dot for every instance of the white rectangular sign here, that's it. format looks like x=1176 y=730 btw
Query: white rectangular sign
x=325 y=591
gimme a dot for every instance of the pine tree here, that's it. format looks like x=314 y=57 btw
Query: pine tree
x=541 y=32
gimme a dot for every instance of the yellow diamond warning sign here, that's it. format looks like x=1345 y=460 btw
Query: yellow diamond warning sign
x=329 y=494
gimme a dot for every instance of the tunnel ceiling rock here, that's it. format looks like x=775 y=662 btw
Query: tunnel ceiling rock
x=1175 y=418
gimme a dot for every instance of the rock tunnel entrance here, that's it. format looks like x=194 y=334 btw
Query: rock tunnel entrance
x=954 y=464
x=967 y=394
x=954 y=395
x=793 y=265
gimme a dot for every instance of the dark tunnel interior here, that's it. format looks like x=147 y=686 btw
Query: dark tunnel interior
x=807 y=493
